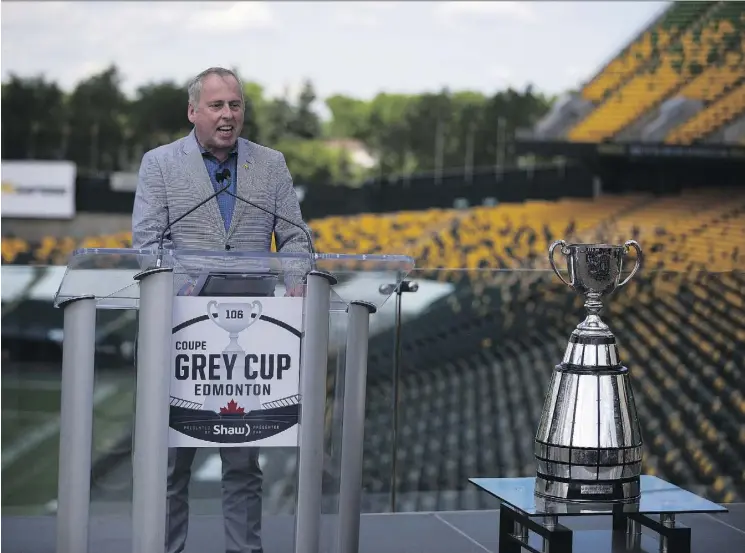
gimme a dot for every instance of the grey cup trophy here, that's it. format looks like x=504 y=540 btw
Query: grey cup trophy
x=588 y=446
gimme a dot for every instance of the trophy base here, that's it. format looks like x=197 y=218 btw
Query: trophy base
x=589 y=446
x=588 y=491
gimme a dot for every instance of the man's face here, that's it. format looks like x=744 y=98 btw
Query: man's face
x=218 y=118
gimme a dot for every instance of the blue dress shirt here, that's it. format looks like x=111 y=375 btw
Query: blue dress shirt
x=225 y=201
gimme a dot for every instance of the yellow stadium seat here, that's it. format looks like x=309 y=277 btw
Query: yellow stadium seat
x=674 y=21
x=714 y=116
x=702 y=62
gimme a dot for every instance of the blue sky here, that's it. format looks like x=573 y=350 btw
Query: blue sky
x=356 y=48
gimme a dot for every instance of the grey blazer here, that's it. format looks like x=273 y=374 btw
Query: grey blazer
x=173 y=179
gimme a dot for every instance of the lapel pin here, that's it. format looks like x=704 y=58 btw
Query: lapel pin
x=245 y=166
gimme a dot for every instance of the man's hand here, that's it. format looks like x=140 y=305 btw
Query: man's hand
x=295 y=291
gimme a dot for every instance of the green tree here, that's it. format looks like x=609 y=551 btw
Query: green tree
x=350 y=118
x=99 y=128
x=428 y=120
x=158 y=114
x=313 y=162
x=389 y=132
x=97 y=131
x=465 y=132
x=304 y=122
x=278 y=117
x=254 y=120
x=34 y=119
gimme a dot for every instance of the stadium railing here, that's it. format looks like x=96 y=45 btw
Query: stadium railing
x=456 y=379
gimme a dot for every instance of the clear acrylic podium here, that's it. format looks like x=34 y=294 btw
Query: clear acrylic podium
x=140 y=279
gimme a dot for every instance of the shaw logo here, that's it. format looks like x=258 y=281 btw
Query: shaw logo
x=222 y=430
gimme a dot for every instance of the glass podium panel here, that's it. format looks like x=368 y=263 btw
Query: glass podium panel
x=108 y=274
x=123 y=280
x=32 y=333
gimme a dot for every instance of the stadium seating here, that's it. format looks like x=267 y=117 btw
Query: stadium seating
x=476 y=363
x=697 y=229
x=475 y=409
x=513 y=235
x=718 y=113
x=652 y=40
x=696 y=51
x=368 y=233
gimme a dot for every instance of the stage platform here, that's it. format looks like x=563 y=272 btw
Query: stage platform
x=431 y=532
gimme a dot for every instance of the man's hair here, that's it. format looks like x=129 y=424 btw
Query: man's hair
x=195 y=85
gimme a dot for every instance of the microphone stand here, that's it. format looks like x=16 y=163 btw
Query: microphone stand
x=159 y=259
x=293 y=223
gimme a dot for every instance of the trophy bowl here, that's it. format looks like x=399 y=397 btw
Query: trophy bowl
x=595 y=272
x=595 y=269
x=588 y=446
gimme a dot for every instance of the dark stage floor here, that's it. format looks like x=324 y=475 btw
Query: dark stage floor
x=433 y=532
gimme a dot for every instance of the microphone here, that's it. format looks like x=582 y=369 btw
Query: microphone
x=278 y=216
x=219 y=177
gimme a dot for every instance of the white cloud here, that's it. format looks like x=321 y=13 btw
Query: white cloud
x=22 y=13
x=231 y=16
x=352 y=18
x=360 y=14
x=520 y=10
x=90 y=67
x=577 y=72
x=381 y=6
x=501 y=72
x=98 y=21
x=289 y=89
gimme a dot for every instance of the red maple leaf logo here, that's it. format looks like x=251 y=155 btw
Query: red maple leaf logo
x=231 y=409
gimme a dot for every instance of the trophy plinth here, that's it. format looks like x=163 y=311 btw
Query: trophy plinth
x=588 y=446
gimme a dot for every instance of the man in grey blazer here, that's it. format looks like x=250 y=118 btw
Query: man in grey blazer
x=174 y=178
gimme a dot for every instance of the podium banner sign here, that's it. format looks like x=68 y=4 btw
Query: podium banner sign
x=235 y=372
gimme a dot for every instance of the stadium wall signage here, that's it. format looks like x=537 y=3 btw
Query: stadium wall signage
x=38 y=189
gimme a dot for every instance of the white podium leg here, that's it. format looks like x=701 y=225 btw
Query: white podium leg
x=353 y=426
x=150 y=455
x=76 y=424
x=315 y=349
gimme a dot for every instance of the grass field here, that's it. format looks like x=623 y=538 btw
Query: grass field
x=30 y=432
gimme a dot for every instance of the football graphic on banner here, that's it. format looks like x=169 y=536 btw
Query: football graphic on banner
x=235 y=371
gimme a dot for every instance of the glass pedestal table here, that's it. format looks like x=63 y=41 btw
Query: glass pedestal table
x=522 y=511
